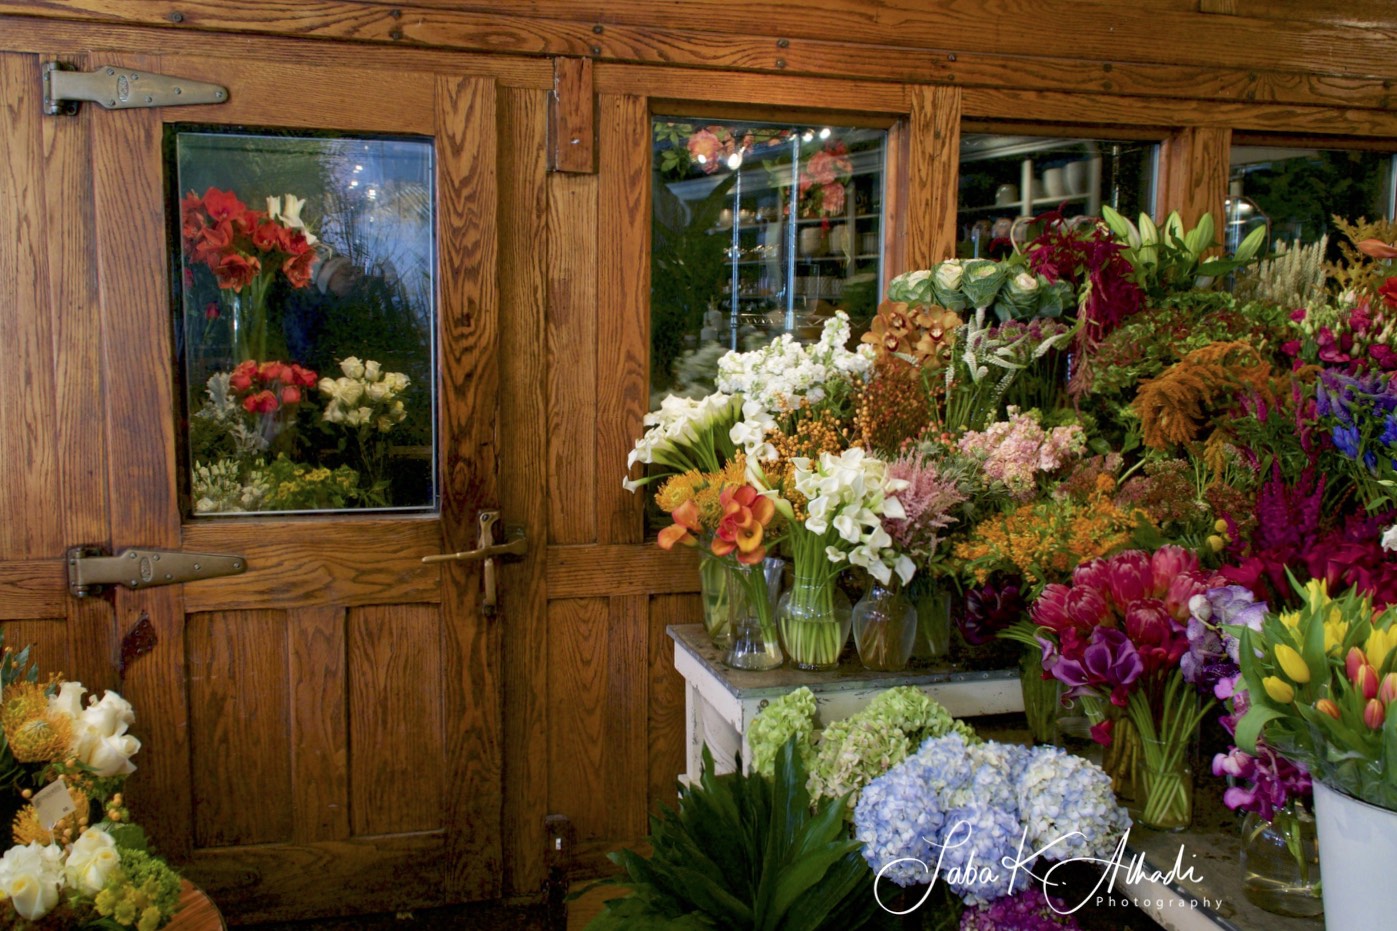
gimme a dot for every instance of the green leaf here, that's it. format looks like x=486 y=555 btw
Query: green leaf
x=1256 y=718
x=1250 y=247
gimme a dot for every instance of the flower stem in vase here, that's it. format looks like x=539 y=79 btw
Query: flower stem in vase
x=720 y=599
x=755 y=643
x=815 y=617
x=1165 y=793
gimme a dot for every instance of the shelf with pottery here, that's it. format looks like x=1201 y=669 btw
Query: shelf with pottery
x=720 y=702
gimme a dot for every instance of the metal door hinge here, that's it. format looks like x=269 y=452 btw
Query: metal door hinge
x=122 y=89
x=89 y=568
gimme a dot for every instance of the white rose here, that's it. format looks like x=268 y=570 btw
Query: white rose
x=91 y=861
x=32 y=877
x=111 y=716
x=352 y=367
x=107 y=755
x=68 y=700
x=372 y=370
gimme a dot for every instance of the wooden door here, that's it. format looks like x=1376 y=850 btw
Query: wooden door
x=322 y=733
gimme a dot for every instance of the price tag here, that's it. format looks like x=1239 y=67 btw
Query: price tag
x=53 y=803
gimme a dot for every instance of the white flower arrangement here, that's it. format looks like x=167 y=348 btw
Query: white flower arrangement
x=685 y=434
x=850 y=494
x=365 y=396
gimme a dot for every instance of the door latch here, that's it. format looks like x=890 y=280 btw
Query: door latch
x=488 y=550
x=90 y=569
x=122 y=89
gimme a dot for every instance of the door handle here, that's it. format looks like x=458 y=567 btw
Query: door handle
x=488 y=550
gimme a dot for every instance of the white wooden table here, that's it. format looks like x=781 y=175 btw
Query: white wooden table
x=720 y=703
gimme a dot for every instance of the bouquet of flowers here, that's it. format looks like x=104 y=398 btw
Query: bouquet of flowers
x=1115 y=637
x=1320 y=681
x=245 y=250
x=76 y=860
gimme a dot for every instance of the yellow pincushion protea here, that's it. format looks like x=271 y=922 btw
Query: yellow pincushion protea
x=35 y=734
x=27 y=827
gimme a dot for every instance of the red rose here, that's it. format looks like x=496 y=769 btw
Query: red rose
x=211 y=311
x=263 y=402
x=304 y=377
x=241 y=379
x=290 y=395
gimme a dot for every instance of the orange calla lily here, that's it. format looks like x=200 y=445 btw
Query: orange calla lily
x=745 y=516
x=686 y=525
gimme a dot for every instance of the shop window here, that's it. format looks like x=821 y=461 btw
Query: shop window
x=759 y=229
x=1295 y=192
x=1005 y=180
x=305 y=314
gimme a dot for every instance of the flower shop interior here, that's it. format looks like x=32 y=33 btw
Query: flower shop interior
x=947 y=439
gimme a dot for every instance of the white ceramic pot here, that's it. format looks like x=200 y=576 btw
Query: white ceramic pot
x=1075 y=174
x=1053 y=183
x=812 y=241
x=1358 y=843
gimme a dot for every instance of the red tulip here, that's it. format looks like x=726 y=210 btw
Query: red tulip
x=1374 y=713
x=1327 y=706
x=1387 y=689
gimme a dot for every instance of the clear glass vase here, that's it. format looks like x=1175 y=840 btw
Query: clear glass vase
x=1042 y=703
x=933 y=607
x=1164 y=791
x=722 y=598
x=885 y=626
x=756 y=644
x=1280 y=862
x=815 y=617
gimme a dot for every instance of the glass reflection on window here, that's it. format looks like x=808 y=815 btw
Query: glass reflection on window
x=306 y=321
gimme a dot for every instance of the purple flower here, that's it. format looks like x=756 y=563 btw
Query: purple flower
x=1109 y=663
x=1211 y=660
x=1268 y=780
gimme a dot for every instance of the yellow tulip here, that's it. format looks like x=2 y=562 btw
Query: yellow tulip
x=1279 y=689
x=1291 y=619
x=1380 y=644
x=1316 y=594
x=1292 y=663
x=1334 y=633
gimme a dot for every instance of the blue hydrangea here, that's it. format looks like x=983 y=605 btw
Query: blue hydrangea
x=979 y=839
x=897 y=819
x=1067 y=801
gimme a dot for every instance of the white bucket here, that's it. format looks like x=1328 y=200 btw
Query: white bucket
x=1358 y=848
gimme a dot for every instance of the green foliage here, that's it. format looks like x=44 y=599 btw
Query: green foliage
x=1169 y=259
x=744 y=852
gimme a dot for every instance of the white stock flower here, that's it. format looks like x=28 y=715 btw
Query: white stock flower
x=91 y=861
x=32 y=877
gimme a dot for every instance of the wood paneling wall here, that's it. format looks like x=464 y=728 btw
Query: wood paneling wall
x=593 y=709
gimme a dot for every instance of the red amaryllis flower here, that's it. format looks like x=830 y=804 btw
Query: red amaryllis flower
x=686 y=525
x=1389 y=292
x=746 y=512
x=236 y=272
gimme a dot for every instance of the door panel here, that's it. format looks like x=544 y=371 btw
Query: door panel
x=321 y=734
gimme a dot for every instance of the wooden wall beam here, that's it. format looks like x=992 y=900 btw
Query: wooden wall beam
x=572 y=117
x=932 y=175
x=1150 y=51
x=1193 y=173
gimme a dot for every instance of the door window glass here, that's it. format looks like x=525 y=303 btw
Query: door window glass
x=305 y=320
x=758 y=230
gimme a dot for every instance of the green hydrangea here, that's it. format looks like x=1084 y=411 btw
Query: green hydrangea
x=792 y=713
x=142 y=893
x=848 y=754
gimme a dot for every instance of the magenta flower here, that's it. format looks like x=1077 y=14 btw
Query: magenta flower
x=1109 y=663
x=1130 y=578
x=1169 y=562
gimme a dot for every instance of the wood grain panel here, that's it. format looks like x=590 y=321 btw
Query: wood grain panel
x=692 y=84
x=240 y=723
x=580 y=571
x=934 y=171
x=623 y=288
x=313 y=879
x=33 y=588
x=128 y=218
x=665 y=723
x=321 y=563
x=48 y=643
x=396 y=727
x=319 y=725
x=581 y=718
x=572 y=124
x=573 y=358
x=26 y=430
x=524 y=372
x=1085 y=110
x=628 y=698
x=466 y=115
